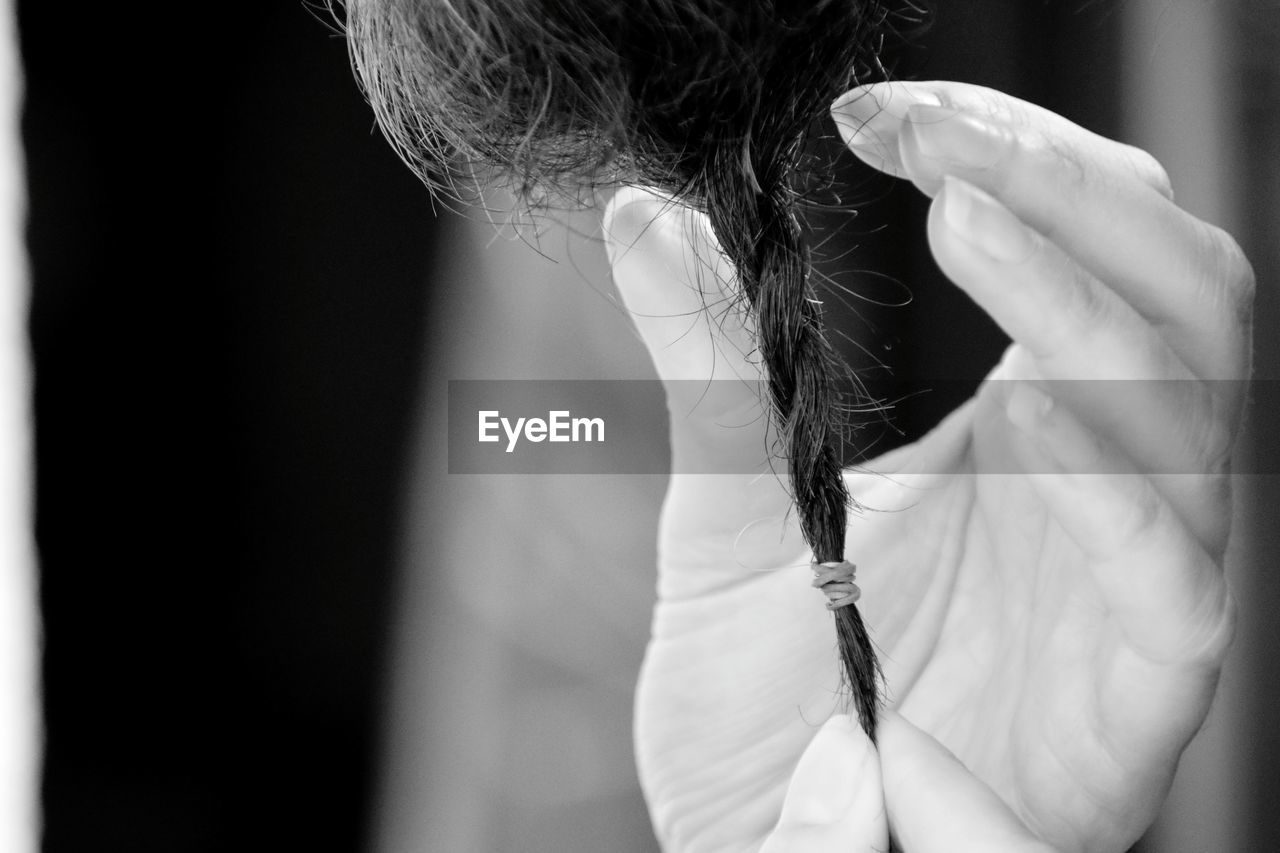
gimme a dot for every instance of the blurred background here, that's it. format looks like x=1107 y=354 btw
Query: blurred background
x=267 y=617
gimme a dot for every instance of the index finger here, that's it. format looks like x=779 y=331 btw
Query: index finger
x=1106 y=204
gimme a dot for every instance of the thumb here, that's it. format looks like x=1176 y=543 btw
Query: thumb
x=834 y=803
x=678 y=287
x=681 y=293
x=935 y=804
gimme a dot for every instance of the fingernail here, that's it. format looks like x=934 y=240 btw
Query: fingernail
x=848 y=103
x=871 y=98
x=869 y=117
x=985 y=223
x=946 y=135
x=866 y=128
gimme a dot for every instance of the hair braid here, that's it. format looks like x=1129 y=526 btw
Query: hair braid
x=773 y=264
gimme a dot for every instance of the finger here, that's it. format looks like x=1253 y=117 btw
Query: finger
x=1168 y=597
x=1167 y=594
x=870 y=118
x=1102 y=202
x=681 y=295
x=1118 y=374
x=936 y=805
x=834 y=803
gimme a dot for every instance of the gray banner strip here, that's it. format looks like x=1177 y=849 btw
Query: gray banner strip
x=621 y=426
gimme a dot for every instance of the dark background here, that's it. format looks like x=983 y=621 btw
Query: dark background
x=231 y=283
x=228 y=303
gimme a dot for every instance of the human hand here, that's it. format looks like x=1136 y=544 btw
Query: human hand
x=847 y=796
x=1060 y=632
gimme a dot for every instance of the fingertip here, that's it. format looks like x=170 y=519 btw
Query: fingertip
x=678 y=288
x=629 y=216
x=649 y=221
x=832 y=774
x=897 y=95
x=847 y=102
x=834 y=801
x=869 y=120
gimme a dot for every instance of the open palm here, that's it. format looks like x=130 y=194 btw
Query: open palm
x=1042 y=573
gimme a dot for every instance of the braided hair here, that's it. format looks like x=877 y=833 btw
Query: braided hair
x=710 y=101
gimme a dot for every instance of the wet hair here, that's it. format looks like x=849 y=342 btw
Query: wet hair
x=710 y=101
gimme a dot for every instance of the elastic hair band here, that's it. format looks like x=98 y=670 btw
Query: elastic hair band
x=836 y=581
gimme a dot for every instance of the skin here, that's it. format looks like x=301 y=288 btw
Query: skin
x=1058 y=626
x=846 y=795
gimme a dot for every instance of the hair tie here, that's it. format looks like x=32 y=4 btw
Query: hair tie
x=836 y=581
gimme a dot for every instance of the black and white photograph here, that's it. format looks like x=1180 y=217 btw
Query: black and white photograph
x=586 y=426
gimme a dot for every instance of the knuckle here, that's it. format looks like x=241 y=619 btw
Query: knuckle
x=994 y=103
x=1091 y=305
x=1210 y=501
x=1087 y=317
x=1229 y=616
x=1205 y=447
x=1207 y=438
x=1136 y=516
x=1150 y=171
x=1083 y=321
x=1072 y=170
x=1217 y=447
x=1145 y=516
x=1142 y=515
x=1231 y=276
x=1212 y=626
x=1043 y=161
x=1214 y=493
x=1245 y=281
x=1216 y=497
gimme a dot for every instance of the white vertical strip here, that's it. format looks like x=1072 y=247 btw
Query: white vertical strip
x=19 y=726
x=1180 y=104
x=1180 y=99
